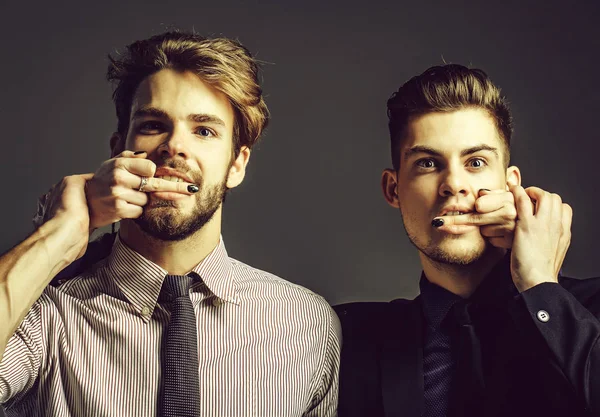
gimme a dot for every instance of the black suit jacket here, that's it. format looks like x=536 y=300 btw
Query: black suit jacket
x=531 y=367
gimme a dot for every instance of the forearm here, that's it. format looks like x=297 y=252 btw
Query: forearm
x=28 y=268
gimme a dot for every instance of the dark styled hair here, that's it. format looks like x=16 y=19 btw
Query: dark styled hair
x=446 y=88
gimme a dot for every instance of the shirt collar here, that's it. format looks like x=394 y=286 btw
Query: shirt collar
x=217 y=273
x=140 y=280
x=494 y=291
x=436 y=301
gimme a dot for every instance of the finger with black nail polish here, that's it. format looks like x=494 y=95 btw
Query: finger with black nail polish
x=437 y=222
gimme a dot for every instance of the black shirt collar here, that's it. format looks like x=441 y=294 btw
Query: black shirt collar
x=494 y=291
x=437 y=302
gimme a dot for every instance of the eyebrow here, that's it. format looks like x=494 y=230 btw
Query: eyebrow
x=430 y=151
x=161 y=114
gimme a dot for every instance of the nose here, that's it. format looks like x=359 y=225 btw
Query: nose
x=454 y=182
x=174 y=145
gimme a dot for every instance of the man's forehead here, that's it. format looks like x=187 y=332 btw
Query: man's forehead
x=180 y=94
x=451 y=132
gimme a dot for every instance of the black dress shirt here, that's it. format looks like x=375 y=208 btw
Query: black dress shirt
x=531 y=354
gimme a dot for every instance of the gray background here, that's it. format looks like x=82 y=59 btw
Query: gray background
x=310 y=209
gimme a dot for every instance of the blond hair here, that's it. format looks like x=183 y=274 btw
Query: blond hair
x=446 y=88
x=223 y=63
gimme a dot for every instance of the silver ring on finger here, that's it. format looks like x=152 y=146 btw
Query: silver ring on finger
x=143 y=184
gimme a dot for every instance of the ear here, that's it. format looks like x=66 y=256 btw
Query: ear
x=389 y=186
x=237 y=171
x=117 y=144
x=513 y=177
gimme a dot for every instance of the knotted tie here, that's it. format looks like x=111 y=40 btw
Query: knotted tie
x=181 y=388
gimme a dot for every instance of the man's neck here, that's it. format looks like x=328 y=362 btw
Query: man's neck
x=461 y=280
x=177 y=257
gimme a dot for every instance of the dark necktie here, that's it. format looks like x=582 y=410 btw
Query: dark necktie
x=468 y=383
x=438 y=368
x=181 y=387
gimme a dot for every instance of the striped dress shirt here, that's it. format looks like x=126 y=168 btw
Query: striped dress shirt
x=94 y=347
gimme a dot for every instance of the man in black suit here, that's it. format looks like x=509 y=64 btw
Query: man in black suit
x=496 y=331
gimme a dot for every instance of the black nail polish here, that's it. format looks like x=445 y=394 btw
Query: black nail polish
x=193 y=188
x=437 y=222
x=139 y=152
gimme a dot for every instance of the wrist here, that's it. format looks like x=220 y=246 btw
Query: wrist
x=65 y=237
x=533 y=278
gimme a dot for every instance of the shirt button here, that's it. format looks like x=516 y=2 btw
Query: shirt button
x=543 y=316
x=146 y=311
x=217 y=302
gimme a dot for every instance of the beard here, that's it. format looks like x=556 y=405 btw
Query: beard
x=437 y=253
x=461 y=254
x=164 y=220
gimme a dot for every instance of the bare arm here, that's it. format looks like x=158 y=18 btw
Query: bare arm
x=28 y=268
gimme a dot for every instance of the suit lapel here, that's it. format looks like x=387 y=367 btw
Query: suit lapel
x=402 y=360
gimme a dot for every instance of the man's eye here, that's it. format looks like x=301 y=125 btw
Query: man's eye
x=203 y=131
x=477 y=163
x=426 y=163
x=150 y=127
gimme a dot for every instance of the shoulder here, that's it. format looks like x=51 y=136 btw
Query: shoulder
x=254 y=283
x=290 y=307
x=360 y=320
x=369 y=310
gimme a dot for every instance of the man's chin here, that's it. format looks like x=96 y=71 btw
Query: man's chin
x=457 y=249
x=171 y=223
x=165 y=227
x=454 y=258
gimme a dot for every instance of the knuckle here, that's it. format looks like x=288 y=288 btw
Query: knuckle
x=150 y=167
x=568 y=209
x=120 y=205
x=153 y=184
x=557 y=198
x=113 y=191
x=132 y=212
x=523 y=198
x=118 y=192
x=113 y=181
x=118 y=176
x=116 y=162
x=69 y=179
x=510 y=212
